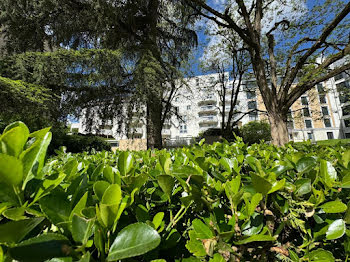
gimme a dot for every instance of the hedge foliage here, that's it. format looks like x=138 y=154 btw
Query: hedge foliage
x=216 y=203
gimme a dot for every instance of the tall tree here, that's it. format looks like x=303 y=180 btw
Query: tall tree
x=227 y=56
x=281 y=45
x=141 y=29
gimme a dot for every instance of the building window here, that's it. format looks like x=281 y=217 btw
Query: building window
x=251 y=95
x=183 y=129
x=188 y=107
x=327 y=122
x=347 y=135
x=338 y=77
x=347 y=122
x=310 y=136
x=252 y=105
x=197 y=81
x=308 y=123
x=323 y=99
x=290 y=124
x=330 y=135
x=325 y=111
x=304 y=101
x=343 y=90
x=253 y=117
x=320 y=88
x=306 y=112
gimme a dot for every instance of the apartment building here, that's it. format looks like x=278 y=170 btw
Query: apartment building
x=320 y=114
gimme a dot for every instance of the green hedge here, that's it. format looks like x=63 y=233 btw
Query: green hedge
x=216 y=203
x=78 y=143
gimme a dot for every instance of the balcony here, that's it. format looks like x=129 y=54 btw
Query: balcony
x=209 y=109
x=208 y=120
x=207 y=100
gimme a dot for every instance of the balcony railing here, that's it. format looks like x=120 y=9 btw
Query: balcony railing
x=208 y=120
x=207 y=100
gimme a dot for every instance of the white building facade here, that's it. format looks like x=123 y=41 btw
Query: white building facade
x=320 y=114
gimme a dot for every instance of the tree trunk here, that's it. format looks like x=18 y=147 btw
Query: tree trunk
x=154 y=123
x=279 y=130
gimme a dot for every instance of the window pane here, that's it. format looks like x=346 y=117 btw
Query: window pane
x=323 y=99
x=308 y=123
x=330 y=135
x=325 y=111
x=327 y=122
x=310 y=136
x=251 y=95
x=306 y=112
x=304 y=101
x=252 y=105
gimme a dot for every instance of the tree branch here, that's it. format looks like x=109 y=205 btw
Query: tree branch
x=326 y=32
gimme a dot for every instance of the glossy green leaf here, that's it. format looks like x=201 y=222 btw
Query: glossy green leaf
x=260 y=184
x=328 y=173
x=194 y=245
x=41 y=248
x=303 y=186
x=125 y=163
x=305 y=164
x=79 y=206
x=133 y=240
x=48 y=184
x=34 y=156
x=278 y=185
x=11 y=170
x=14 y=137
x=100 y=187
x=256 y=198
x=21 y=227
x=16 y=213
x=157 y=219
x=109 y=204
x=56 y=208
x=166 y=183
x=321 y=255
x=253 y=226
x=334 y=207
x=201 y=229
x=345 y=182
x=346 y=158
x=336 y=229
x=82 y=229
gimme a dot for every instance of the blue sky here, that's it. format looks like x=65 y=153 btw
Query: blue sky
x=203 y=39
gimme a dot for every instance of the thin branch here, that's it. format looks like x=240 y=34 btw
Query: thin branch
x=326 y=32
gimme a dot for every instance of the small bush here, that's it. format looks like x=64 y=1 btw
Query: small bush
x=255 y=131
x=77 y=143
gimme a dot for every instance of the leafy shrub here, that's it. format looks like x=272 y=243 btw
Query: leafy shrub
x=219 y=202
x=77 y=143
x=255 y=131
